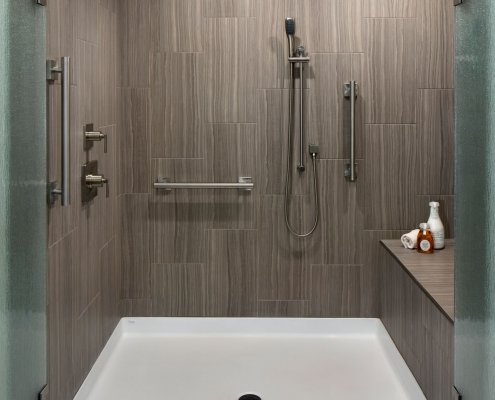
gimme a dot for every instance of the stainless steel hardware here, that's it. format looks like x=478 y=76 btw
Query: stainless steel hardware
x=301 y=54
x=41 y=2
x=91 y=136
x=97 y=181
x=351 y=92
x=314 y=149
x=290 y=30
x=245 y=183
x=91 y=180
x=53 y=71
x=300 y=166
x=299 y=59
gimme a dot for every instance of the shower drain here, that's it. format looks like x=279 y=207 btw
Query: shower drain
x=250 y=397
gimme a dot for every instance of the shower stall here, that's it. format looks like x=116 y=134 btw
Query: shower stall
x=205 y=173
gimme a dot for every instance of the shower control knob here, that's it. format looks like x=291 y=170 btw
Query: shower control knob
x=91 y=180
x=97 y=181
x=90 y=136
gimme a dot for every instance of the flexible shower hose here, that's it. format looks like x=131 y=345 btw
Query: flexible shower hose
x=289 y=164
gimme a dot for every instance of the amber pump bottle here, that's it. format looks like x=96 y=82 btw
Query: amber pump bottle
x=425 y=239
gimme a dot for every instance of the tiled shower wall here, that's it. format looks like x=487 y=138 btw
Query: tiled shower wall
x=196 y=90
x=83 y=268
x=203 y=89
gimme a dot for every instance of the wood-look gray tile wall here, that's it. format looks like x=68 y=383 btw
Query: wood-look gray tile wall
x=217 y=98
x=231 y=273
x=230 y=81
x=134 y=140
x=84 y=269
x=390 y=67
x=436 y=126
x=390 y=8
x=228 y=8
x=135 y=247
x=179 y=290
x=196 y=90
x=284 y=308
x=177 y=122
x=392 y=176
x=435 y=44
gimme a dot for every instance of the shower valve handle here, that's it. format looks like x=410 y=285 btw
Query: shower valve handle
x=90 y=136
x=97 y=181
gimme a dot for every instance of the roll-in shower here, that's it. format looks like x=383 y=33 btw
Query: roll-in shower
x=298 y=58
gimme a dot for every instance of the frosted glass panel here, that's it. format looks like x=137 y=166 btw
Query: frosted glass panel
x=475 y=200
x=23 y=226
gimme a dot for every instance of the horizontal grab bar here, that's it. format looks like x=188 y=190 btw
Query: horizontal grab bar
x=245 y=183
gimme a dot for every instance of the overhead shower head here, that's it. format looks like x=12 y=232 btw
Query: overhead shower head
x=290 y=26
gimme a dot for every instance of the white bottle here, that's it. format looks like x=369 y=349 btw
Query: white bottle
x=436 y=226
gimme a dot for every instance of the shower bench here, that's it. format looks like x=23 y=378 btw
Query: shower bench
x=417 y=309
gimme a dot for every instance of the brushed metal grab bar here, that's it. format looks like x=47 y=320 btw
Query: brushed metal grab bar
x=52 y=72
x=245 y=183
x=351 y=92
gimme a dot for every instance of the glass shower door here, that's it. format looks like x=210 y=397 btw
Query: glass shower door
x=23 y=213
x=475 y=200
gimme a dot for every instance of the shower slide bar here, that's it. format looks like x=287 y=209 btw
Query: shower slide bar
x=245 y=183
x=53 y=71
x=351 y=92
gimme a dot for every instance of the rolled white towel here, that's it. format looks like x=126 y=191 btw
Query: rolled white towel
x=409 y=240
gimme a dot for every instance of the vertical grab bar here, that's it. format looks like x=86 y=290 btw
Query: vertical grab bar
x=351 y=92
x=64 y=71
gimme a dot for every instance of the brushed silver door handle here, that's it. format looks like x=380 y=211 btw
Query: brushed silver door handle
x=52 y=73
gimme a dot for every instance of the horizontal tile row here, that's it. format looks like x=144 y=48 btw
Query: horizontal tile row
x=227 y=288
x=390 y=179
x=244 y=29
x=282 y=269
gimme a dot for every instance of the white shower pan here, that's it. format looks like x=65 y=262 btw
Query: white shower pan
x=275 y=359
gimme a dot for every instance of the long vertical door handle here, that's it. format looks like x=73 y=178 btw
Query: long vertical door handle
x=351 y=92
x=64 y=71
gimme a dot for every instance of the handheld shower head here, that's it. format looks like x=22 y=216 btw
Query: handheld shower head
x=290 y=26
x=290 y=30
